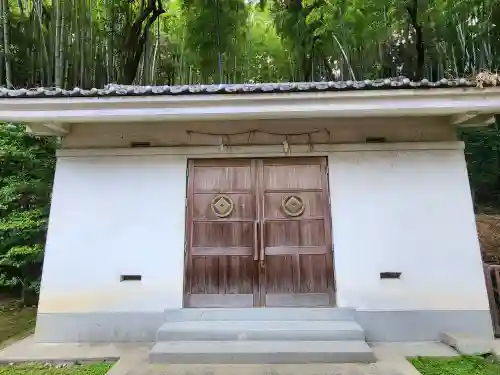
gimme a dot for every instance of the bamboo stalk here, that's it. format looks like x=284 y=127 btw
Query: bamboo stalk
x=155 y=54
x=82 y=44
x=57 y=41
x=6 y=42
x=2 y=47
x=46 y=66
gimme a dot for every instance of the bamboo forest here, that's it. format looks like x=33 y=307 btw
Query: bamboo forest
x=91 y=43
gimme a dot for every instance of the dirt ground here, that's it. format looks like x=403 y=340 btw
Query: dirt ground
x=15 y=322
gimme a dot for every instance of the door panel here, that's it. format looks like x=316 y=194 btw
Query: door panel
x=258 y=233
x=222 y=176
x=282 y=174
x=298 y=268
x=244 y=207
x=295 y=233
x=313 y=204
x=221 y=203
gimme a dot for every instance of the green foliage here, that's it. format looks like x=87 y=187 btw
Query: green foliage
x=214 y=30
x=482 y=151
x=21 y=263
x=267 y=59
x=462 y=365
x=26 y=172
x=39 y=369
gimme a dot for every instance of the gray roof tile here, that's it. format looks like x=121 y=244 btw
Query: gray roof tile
x=129 y=90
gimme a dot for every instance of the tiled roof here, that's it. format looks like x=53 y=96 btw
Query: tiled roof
x=128 y=90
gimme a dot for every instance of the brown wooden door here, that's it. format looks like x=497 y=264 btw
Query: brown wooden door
x=221 y=223
x=297 y=261
x=258 y=233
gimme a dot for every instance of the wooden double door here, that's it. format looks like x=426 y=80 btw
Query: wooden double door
x=259 y=233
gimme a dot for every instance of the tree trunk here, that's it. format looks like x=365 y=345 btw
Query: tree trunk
x=412 y=10
x=136 y=39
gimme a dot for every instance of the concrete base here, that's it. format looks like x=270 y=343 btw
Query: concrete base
x=466 y=344
x=99 y=327
x=379 y=326
x=422 y=325
x=260 y=314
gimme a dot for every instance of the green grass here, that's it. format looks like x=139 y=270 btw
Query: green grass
x=38 y=369
x=463 y=365
x=15 y=323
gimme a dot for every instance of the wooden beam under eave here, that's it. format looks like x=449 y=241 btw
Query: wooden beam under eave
x=62 y=129
x=48 y=129
x=470 y=120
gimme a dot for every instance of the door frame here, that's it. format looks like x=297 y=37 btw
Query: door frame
x=259 y=295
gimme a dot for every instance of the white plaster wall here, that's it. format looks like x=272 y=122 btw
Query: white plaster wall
x=112 y=216
x=408 y=212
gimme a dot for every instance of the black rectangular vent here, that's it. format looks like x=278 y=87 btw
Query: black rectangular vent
x=140 y=144
x=130 y=278
x=390 y=275
x=375 y=140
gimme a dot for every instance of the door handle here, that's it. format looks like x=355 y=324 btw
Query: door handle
x=262 y=255
x=256 y=240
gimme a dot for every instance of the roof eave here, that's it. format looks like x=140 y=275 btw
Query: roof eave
x=50 y=116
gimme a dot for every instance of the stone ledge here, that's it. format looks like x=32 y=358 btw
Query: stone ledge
x=467 y=344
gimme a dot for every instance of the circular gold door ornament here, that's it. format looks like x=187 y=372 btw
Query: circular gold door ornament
x=293 y=206
x=222 y=205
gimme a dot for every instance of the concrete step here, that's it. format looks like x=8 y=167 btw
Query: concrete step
x=260 y=331
x=260 y=314
x=260 y=352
